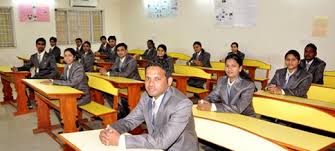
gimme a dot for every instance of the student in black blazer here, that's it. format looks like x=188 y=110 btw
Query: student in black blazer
x=151 y=52
x=234 y=50
x=313 y=64
x=233 y=92
x=163 y=59
x=44 y=64
x=79 y=48
x=104 y=45
x=199 y=58
x=291 y=80
x=54 y=50
x=87 y=58
x=111 y=51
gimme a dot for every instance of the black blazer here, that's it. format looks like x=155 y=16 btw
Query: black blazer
x=102 y=49
x=316 y=69
x=239 y=53
x=150 y=55
x=47 y=66
x=298 y=84
x=56 y=53
x=204 y=57
x=128 y=68
x=166 y=62
x=111 y=54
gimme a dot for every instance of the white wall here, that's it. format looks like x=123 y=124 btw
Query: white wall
x=281 y=25
x=27 y=32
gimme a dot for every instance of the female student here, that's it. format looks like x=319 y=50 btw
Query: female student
x=165 y=61
x=73 y=76
x=233 y=92
x=151 y=52
x=291 y=80
x=87 y=58
x=199 y=58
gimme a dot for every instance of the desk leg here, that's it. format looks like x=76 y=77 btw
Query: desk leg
x=252 y=73
x=21 y=97
x=181 y=84
x=43 y=116
x=69 y=112
x=7 y=91
x=134 y=91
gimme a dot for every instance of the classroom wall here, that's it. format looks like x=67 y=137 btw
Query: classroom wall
x=281 y=25
x=27 y=32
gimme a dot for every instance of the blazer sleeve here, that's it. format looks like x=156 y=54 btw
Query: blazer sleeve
x=302 y=88
x=132 y=120
x=131 y=67
x=243 y=102
x=170 y=132
x=214 y=96
x=205 y=60
x=171 y=65
x=88 y=63
x=27 y=65
x=78 y=75
x=53 y=67
x=275 y=79
x=318 y=75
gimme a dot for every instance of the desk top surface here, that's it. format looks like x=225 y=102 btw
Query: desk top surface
x=51 y=89
x=295 y=99
x=89 y=140
x=5 y=69
x=120 y=80
x=275 y=132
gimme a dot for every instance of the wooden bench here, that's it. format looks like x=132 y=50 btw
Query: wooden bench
x=262 y=66
x=319 y=92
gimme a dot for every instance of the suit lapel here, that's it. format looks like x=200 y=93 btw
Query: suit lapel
x=224 y=91
x=162 y=107
x=282 y=77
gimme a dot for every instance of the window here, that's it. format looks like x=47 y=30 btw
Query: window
x=72 y=24
x=6 y=27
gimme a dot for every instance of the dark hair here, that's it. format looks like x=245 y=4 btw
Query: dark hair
x=53 y=39
x=41 y=40
x=239 y=61
x=103 y=37
x=294 y=53
x=79 y=39
x=111 y=38
x=311 y=45
x=121 y=45
x=87 y=42
x=197 y=43
x=72 y=51
x=156 y=64
x=164 y=48
x=234 y=43
x=151 y=41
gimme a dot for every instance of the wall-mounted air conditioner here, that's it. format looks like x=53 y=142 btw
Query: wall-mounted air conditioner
x=83 y=3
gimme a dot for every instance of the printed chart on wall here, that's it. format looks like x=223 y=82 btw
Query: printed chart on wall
x=161 y=8
x=235 y=13
x=33 y=13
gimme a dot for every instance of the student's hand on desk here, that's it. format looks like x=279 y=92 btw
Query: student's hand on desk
x=204 y=105
x=103 y=71
x=109 y=136
x=197 y=62
x=47 y=82
x=275 y=90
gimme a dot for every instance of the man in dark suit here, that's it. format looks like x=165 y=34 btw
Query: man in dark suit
x=111 y=51
x=79 y=48
x=54 y=50
x=313 y=64
x=44 y=64
x=104 y=45
x=125 y=65
x=167 y=113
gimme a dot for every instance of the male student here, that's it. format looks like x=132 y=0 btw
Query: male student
x=313 y=64
x=54 y=50
x=104 y=45
x=111 y=51
x=79 y=48
x=43 y=62
x=167 y=113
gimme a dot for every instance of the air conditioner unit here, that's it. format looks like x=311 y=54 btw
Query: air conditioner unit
x=83 y=3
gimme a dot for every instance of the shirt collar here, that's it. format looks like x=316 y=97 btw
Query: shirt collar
x=41 y=54
x=122 y=59
x=310 y=62
x=288 y=74
x=231 y=83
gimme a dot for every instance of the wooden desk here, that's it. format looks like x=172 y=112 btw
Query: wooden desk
x=103 y=64
x=324 y=85
x=89 y=141
x=133 y=86
x=24 y=59
x=67 y=97
x=251 y=71
x=219 y=72
x=142 y=63
x=181 y=81
x=100 y=55
x=60 y=67
x=7 y=77
x=321 y=105
x=287 y=137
